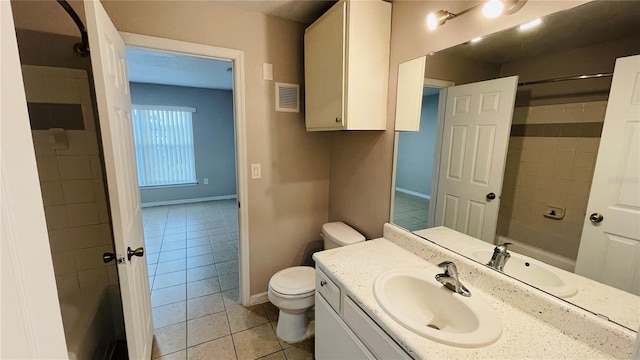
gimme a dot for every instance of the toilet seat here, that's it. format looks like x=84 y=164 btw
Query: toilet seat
x=294 y=282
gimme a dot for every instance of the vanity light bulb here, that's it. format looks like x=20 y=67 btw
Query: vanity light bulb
x=432 y=21
x=530 y=24
x=475 y=40
x=492 y=9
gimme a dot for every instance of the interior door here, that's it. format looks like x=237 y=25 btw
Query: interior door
x=610 y=245
x=114 y=108
x=475 y=137
x=31 y=326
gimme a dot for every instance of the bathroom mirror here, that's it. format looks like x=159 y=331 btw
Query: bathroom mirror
x=554 y=138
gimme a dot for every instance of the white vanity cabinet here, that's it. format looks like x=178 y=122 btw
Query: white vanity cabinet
x=346 y=60
x=344 y=330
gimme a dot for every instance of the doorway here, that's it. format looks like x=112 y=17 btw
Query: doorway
x=184 y=133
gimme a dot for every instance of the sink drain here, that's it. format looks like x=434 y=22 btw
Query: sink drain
x=433 y=326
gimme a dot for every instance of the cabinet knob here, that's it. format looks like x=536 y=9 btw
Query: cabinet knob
x=339 y=120
x=323 y=283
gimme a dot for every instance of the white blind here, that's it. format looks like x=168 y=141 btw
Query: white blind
x=164 y=145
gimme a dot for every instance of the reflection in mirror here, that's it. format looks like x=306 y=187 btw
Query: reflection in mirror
x=555 y=135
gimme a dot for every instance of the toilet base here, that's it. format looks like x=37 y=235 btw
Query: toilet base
x=294 y=328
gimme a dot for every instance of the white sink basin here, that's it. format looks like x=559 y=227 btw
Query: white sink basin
x=531 y=271
x=413 y=298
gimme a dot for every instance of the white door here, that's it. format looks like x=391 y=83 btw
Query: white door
x=475 y=138
x=610 y=245
x=31 y=326
x=114 y=108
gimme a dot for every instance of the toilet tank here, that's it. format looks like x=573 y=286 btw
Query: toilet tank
x=336 y=234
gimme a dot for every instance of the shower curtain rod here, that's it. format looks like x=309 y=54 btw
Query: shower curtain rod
x=567 y=78
x=81 y=48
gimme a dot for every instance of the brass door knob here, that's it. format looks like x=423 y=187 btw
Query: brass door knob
x=108 y=257
x=137 y=252
x=596 y=218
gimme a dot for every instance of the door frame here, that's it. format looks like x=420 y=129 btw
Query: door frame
x=242 y=188
x=442 y=85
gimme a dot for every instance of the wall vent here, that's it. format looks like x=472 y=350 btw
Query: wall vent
x=287 y=97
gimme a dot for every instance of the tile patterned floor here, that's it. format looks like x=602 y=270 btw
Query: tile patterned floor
x=193 y=273
x=410 y=212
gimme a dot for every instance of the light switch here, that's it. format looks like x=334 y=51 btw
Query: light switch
x=256 y=173
x=206 y=181
x=267 y=71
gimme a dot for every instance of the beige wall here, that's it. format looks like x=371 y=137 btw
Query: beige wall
x=290 y=203
x=361 y=162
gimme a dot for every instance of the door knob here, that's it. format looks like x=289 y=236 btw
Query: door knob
x=108 y=257
x=596 y=218
x=491 y=196
x=137 y=252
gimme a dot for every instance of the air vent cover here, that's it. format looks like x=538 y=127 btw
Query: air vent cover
x=287 y=97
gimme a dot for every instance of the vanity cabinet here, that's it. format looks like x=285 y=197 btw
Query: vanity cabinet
x=346 y=60
x=344 y=330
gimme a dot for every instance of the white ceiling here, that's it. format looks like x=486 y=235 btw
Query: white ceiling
x=155 y=67
x=165 y=68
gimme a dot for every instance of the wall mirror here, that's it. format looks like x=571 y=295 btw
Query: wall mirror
x=547 y=152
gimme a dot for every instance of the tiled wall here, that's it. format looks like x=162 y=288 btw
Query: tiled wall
x=550 y=162
x=74 y=199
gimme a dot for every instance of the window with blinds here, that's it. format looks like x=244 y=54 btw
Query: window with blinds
x=164 y=145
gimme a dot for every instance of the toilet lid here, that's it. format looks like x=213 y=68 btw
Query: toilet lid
x=294 y=280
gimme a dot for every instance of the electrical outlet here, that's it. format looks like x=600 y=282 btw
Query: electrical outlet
x=206 y=181
x=256 y=173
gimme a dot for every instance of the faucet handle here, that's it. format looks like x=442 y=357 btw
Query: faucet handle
x=503 y=247
x=449 y=268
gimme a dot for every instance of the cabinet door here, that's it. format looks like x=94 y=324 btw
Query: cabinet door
x=334 y=340
x=324 y=58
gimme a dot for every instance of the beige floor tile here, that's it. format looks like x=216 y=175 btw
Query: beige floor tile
x=222 y=348
x=244 y=318
x=204 y=305
x=229 y=281
x=227 y=267
x=203 y=287
x=199 y=250
x=201 y=273
x=171 y=266
x=170 y=279
x=275 y=356
x=231 y=299
x=256 y=342
x=207 y=328
x=301 y=351
x=272 y=311
x=224 y=256
x=168 y=295
x=180 y=355
x=200 y=260
x=169 y=339
x=224 y=246
x=169 y=314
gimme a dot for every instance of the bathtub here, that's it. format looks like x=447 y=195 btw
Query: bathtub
x=550 y=258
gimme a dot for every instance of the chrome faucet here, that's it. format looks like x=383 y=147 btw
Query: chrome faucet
x=500 y=257
x=450 y=279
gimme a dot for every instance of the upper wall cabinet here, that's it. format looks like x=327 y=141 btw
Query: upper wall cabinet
x=346 y=58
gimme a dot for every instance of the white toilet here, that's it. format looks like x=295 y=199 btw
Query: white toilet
x=292 y=290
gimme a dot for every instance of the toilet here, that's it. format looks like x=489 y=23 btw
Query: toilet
x=293 y=289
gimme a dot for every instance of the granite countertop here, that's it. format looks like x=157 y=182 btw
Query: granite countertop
x=591 y=294
x=355 y=268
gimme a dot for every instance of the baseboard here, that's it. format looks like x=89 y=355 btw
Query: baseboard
x=188 y=201
x=258 y=299
x=414 y=193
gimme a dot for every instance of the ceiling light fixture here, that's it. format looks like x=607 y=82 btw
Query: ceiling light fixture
x=438 y=18
x=492 y=9
x=475 y=40
x=531 y=24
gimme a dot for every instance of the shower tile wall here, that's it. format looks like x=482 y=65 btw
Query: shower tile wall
x=550 y=162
